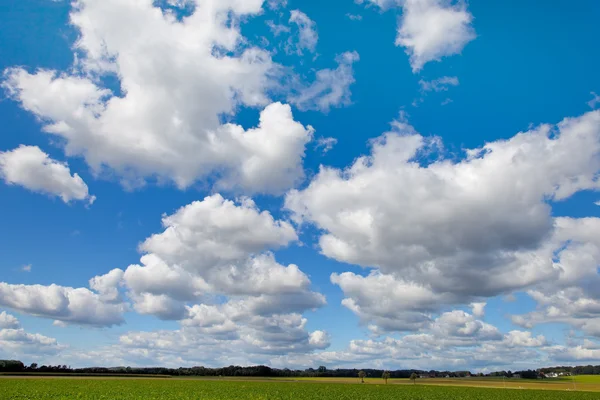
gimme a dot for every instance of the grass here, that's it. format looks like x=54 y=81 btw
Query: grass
x=38 y=388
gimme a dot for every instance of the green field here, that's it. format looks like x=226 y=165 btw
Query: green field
x=173 y=389
x=583 y=379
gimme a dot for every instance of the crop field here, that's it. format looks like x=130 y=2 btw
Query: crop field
x=175 y=389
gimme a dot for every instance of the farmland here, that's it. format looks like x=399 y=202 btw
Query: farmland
x=188 y=389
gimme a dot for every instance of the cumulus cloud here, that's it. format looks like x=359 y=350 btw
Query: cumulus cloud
x=78 y=306
x=575 y=354
x=478 y=309
x=307 y=32
x=451 y=232
x=331 y=87
x=8 y=321
x=212 y=269
x=215 y=232
x=31 y=168
x=430 y=29
x=165 y=122
x=572 y=297
x=15 y=341
x=455 y=340
x=215 y=335
x=107 y=285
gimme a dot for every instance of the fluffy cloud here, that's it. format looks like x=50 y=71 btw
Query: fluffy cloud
x=478 y=309
x=330 y=88
x=72 y=305
x=16 y=341
x=218 y=249
x=431 y=29
x=107 y=285
x=8 y=321
x=386 y=303
x=164 y=122
x=449 y=232
x=573 y=296
x=577 y=354
x=216 y=232
x=212 y=270
x=30 y=167
x=455 y=340
x=215 y=335
x=524 y=339
x=307 y=32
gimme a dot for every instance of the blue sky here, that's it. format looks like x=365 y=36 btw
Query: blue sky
x=428 y=254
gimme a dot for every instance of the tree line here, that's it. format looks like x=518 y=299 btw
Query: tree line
x=14 y=366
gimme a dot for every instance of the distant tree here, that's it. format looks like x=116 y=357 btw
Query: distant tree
x=361 y=375
x=386 y=376
x=33 y=366
x=413 y=377
x=322 y=369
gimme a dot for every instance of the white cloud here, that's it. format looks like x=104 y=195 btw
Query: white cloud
x=215 y=335
x=166 y=122
x=597 y=203
x=524 y=339
x=384 y=4
x=75 y=306
x=277 y=29
x=331 y=87
x=8 y=321
x=575 y=354
x=216 y=232
x=438 y=85
x=354 y=17
x=452 y=232
x=572 y=297
x=211 y=269
x=26 y=268
x=388 y=304
x=276 y=4
x=307 y=32
x=326 y=144
x=430 y=29
x=319 y=339
x=455 y=340
x=217 y=247
x=107 y=285
x=478 y=309
x=30 y=167
x=15 y=341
